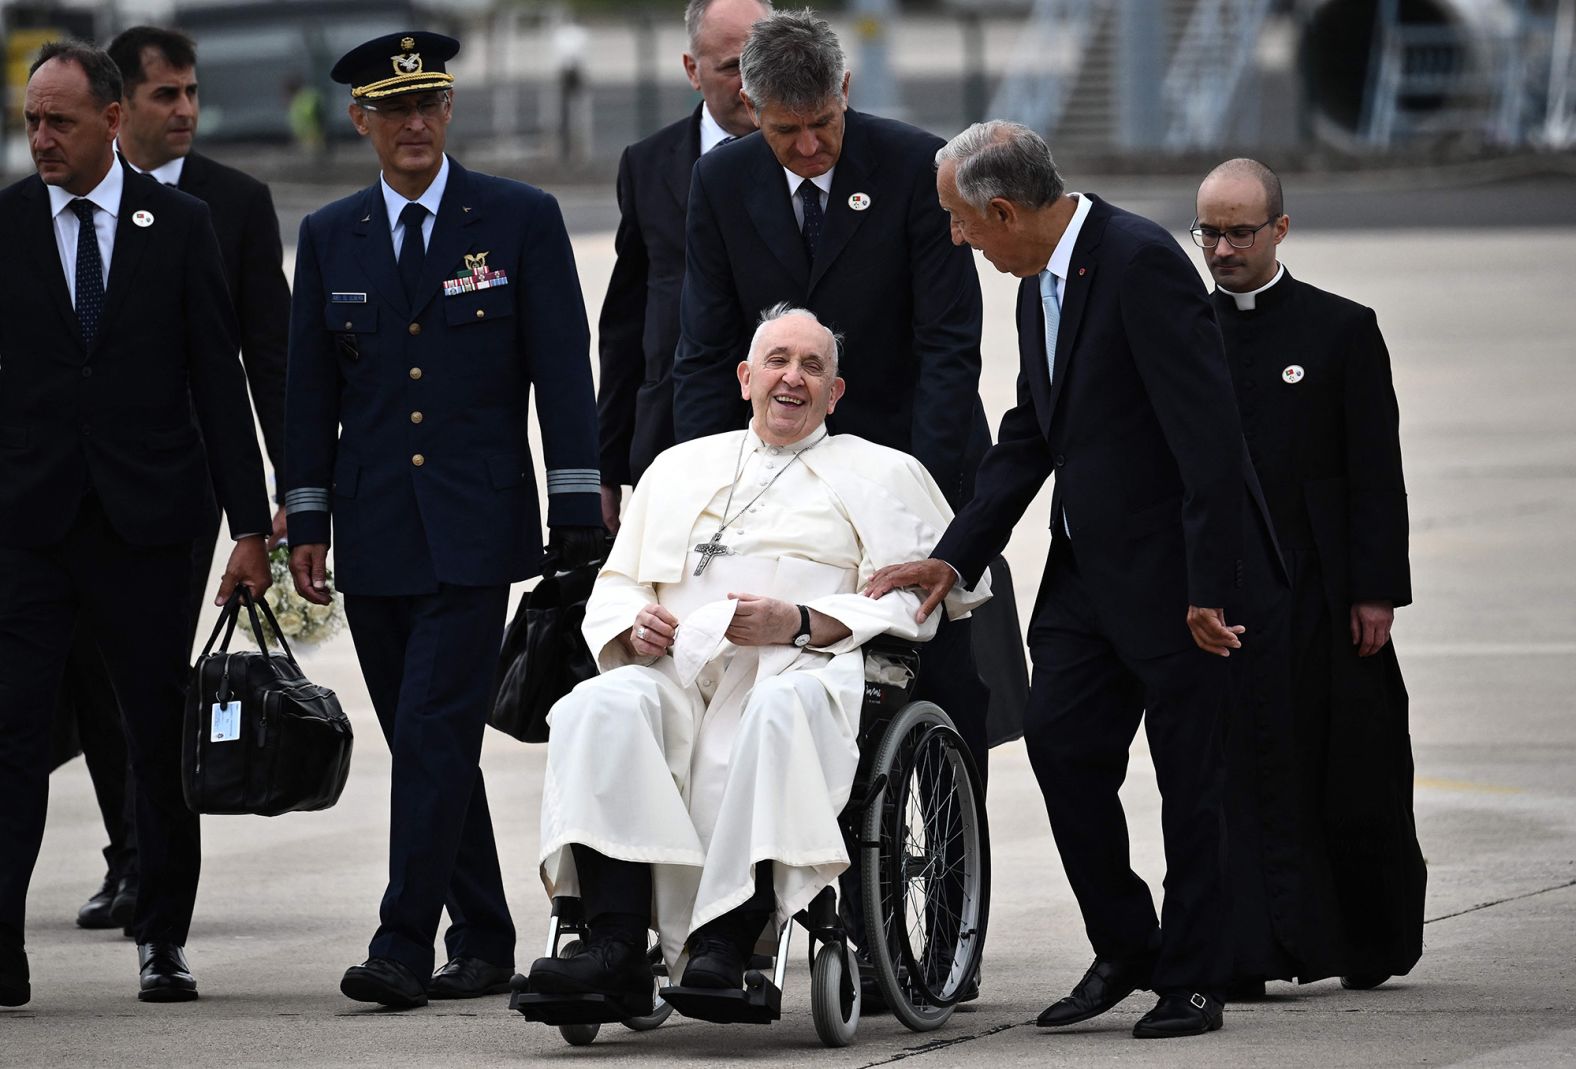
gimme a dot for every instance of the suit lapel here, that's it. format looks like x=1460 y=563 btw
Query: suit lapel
x=1080 y=276
x=854 y=174
x=38 y=235
x=374 y=248
x=131 y=243
x=681 y=162
x=766 y=202
x=194 y=176
x=451 y=237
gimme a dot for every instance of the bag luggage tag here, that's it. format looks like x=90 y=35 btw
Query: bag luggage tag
x=225 y=722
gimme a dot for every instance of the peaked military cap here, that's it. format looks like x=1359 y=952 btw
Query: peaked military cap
x=397 y=63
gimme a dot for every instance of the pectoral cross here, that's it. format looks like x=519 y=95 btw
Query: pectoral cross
x=709 y=550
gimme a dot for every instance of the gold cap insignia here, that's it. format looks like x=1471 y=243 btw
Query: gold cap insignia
x=407 y=64
x=407 y=43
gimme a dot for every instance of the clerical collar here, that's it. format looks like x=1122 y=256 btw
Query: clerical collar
x=759 y=444
x=1247 y=302
x=711 y=132
x=168 y=172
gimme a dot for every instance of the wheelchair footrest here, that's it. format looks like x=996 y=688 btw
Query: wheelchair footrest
x=553 y=1008
x=758 y=1002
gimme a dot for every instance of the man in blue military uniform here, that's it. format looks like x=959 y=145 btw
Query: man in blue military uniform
x=425 y=307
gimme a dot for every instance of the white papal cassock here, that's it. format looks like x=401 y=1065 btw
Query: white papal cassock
x=709 y=760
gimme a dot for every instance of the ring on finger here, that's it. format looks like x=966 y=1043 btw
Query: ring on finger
x=640 y=633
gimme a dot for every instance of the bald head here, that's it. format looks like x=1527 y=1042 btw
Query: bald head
x=1244 y=169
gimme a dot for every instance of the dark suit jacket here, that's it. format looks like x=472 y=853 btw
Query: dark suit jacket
x=117 y=417
x=248 y=230
x=1141 y=430
x=377 y=381
x=888 y=278
x=639 y=327
x=1326 y=446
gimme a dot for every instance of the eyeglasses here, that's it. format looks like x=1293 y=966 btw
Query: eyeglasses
x=1238 y=237
x=427 y=108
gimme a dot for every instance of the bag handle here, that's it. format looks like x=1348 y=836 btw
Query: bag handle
x=242 y=596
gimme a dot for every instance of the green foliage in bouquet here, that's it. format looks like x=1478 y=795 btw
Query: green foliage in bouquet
x=303 y=623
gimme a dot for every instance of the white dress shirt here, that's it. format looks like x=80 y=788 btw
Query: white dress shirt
x=711 y=132
x=106 y=198
x=395 y=203
x=823 y=183
x=1062 y=256
x=169 y=172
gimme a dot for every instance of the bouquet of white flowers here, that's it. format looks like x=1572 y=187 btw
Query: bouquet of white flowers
x=302 y=622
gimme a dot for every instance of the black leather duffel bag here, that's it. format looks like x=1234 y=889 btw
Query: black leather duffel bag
x=259 y=736
x=544 y=655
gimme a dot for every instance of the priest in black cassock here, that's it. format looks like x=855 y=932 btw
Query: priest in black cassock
x=1327 y=877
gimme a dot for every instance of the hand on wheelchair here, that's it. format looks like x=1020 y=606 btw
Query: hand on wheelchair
x=652 y=633
x=934 y=577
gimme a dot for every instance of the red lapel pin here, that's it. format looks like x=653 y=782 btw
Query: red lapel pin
x=1081 y=272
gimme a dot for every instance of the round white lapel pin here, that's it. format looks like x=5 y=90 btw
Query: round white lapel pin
x=1293 y=373
x=142 y=218
x=859 y=201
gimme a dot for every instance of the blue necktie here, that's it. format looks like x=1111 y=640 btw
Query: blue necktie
x=1053 y=319
x=412 y=251
x=90 y=271
x=814 y=218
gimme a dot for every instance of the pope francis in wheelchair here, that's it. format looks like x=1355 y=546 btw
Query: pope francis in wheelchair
x=711 y=783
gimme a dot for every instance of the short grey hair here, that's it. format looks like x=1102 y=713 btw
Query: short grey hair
x=792 y=60
x=782 y=310
x=1002 y=159
x=695 y=13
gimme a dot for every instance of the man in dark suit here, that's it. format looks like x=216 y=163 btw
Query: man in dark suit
x=836 y=212
x=1123 y=393
x=159 y=114
x=639 y=327
x=425 y=308
x=1327 y=877
x=116 y=334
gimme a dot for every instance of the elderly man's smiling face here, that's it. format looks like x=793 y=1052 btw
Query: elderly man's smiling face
x=790 y=378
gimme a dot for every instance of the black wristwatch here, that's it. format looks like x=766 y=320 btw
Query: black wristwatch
x=802 y=637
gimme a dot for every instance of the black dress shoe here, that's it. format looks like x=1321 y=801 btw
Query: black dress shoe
x=98 y=911
x=124 y=908
x=1363 y=981
x=1180 y=1015
x=715 y=962
x=1103 y=986
x=386 y=982
x=165 y=975
x=614 y=968
x=14 y=987
x=469 y=978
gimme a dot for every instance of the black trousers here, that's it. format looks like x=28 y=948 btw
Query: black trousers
x=1085 y=705
x=428 y=661
x=88 y=694
x=142 y=635
x=949 y=676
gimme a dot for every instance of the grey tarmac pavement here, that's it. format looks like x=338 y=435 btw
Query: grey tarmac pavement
x=1481 y=326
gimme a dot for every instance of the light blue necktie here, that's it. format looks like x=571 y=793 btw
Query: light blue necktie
x=1053 y=319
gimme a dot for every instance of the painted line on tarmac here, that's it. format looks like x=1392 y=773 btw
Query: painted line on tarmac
x=1502 y=901
x=1488 y=649
x=1463 y=785
x=942 y=1044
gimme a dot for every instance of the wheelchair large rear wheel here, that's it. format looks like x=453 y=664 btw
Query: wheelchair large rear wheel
x=925 y=873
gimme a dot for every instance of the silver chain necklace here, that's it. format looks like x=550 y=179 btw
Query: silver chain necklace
x=714 y=548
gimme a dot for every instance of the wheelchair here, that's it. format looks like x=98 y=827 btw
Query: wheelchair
x=915 y=903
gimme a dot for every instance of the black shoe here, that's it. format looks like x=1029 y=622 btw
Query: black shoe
x=1103 y=986
x=1180 y=1015
x=124 y=908
x=715 y=962
x=165 y=975
x=98 y=911
x=615 y=968
x=1245 y=991
x=1363 y=981
x=469 y=978
x=14 y=987
x=386 y=982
